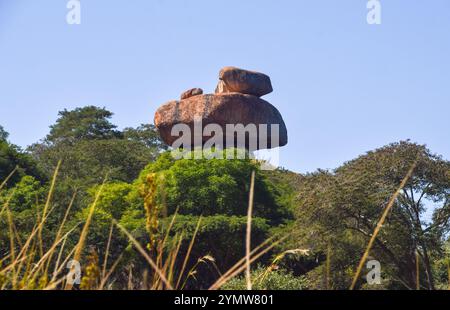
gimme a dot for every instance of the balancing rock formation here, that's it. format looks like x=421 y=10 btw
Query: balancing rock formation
x=236 y=101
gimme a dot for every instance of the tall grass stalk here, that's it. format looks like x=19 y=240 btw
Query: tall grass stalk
x=84 y=232
x=49 y=197
x=105 y=261
x=249 y=233
x=5 y=181
x=188 y=254
x=241 y=265
x=145 y=255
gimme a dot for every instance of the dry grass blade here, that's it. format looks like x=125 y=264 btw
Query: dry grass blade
x=10 y=226
x=248 y=235
x=202 y=260
x=145 y=255
x=106 y=277
x=105 y=261
x=60 y=230
x=49 y=197
x=224 y=279
x=188 y=254
x=12 y=265
x=279 y=257
x=5 y=181
x=242 y=260
x=84 y=232
x=174 y=258
x=49 y=253
x=63 y=264
x=380 y=224
x=162 y=244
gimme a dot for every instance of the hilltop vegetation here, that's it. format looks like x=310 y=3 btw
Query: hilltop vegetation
x=117 y=201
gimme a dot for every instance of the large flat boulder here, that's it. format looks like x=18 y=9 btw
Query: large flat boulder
x=221 y=109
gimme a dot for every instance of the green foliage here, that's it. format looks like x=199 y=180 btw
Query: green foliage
x=342 y=209
x=441 y=267
x=145 y=134
x=114 y=198
x=91 y=148
x=216 y=186
x=25 y=202
x=11 y=156
x=87 y=162
x=25 y=195
x=220 y=236
x=89 y=123
x=266 y=279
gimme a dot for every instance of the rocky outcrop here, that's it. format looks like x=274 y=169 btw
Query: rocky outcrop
x=236 y=102
x=221 y=109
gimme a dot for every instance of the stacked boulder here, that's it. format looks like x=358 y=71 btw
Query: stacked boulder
x=236 y=101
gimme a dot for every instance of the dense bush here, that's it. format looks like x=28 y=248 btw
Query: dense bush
x=216 y=186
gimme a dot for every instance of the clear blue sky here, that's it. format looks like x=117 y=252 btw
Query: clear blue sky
x=343 y=86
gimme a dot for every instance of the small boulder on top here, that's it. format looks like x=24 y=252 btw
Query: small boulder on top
x=191 y=93
x=235 y=80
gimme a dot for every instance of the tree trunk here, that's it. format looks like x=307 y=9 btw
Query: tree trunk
x=426 y=261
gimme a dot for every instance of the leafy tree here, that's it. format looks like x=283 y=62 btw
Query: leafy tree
x=145 y=134
x=342 y=209
x=89 y=123
x=91 y=148
x=215 y=186
x=87 y=162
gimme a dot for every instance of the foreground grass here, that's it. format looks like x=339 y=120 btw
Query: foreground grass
x=30 y=264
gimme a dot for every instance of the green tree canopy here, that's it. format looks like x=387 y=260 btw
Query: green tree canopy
x=342 y=208
x=145 y=134
x=88 y=122
x=90 y=148
x=216 y=186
